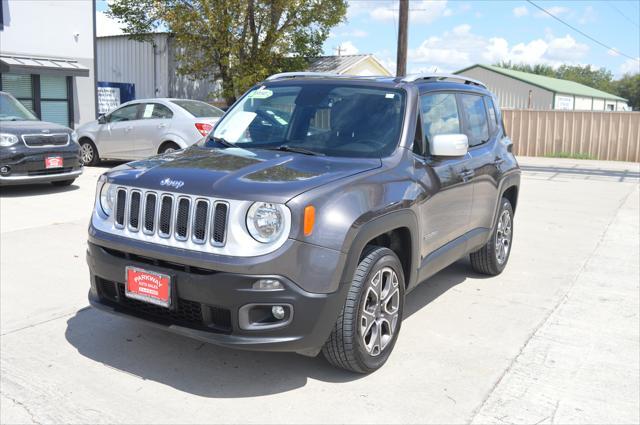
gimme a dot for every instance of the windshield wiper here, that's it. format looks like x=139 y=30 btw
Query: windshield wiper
x=223 y=141
x=297 y=149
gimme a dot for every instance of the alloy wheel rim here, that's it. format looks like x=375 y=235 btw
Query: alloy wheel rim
x=503 y=237
x=379 y=311
x=169 y=150
x=86 y=152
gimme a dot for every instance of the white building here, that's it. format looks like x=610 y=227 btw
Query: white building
x=522 y=90
x=47 y=57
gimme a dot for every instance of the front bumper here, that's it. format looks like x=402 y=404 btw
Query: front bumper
x=27 y=165
x=209 y=303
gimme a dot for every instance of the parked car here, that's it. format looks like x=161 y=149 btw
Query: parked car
x=141 y=128
x=34 y=151
x=314 y=206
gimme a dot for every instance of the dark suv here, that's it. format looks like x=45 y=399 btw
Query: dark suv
x=313 y=207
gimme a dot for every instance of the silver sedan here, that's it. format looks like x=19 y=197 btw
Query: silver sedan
x=145 y=127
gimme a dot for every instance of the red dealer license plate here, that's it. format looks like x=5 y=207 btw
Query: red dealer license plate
x=53 y=162
x=151 y=287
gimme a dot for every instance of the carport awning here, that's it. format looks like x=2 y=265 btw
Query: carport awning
x=37 y=65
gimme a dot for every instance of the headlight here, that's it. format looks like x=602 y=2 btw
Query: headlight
x=107 y=198
x=7 y=139
x=265 y=221
x=74 y=136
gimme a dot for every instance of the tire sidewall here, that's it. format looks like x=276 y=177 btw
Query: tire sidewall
x=369 y=363
x=505 y=205
x=169 y=145
x=94 y=158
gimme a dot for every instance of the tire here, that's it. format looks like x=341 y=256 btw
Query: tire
x=168 y=147
x=63 y=182
x=348 y=346
x=492 y=258
x=88 y=153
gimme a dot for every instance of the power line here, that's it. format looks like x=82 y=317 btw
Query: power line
x=581 y=32
x=621 y=13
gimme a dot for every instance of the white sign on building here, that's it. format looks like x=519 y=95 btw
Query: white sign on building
x=564 y=102
x=108 y=99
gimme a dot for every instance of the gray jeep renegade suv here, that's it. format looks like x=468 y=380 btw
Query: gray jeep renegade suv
x=313 y=207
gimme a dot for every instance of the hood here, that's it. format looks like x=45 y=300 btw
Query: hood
x=20 y=127
x=235 y=173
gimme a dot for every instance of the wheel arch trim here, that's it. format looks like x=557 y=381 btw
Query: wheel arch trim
x=379 y=226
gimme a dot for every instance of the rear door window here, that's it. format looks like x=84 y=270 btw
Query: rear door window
x=439 y=115
x=155 y=111
x=476 y=126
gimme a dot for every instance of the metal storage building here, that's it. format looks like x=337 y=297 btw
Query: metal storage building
x=149 y=65
x=522 y=90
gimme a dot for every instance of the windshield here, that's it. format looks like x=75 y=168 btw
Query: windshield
x=199 y=109
x=315 y=118
x=12 y=110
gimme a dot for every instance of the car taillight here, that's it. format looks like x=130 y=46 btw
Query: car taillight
x=204 y=128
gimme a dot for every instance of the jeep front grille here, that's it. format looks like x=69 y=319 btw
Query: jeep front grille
x=178 y=217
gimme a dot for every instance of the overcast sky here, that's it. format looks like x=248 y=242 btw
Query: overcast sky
x=448 y=35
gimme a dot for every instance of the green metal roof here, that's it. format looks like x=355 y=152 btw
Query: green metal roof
x=553 y=84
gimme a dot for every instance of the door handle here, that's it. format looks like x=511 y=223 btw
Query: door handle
x=498 y=161
x=467 y=174
x=162 y=125
x=128 y=128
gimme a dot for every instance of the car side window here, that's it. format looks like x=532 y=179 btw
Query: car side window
x=439 y=115
x=127 y=113
x=493 y=117
x=477 y=127
x=155 y=111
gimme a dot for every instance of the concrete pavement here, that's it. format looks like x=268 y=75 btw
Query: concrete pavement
x=554 y=339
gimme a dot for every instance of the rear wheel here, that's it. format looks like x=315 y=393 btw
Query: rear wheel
x=492 y=258
x=88 y=153
x=368 y=325
x=63 y=182
x=168 y=147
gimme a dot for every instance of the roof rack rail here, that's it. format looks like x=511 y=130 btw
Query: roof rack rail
x=440 y=77
x=308 y=74
x=284 y=75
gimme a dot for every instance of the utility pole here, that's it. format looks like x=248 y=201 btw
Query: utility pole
x=403 y=24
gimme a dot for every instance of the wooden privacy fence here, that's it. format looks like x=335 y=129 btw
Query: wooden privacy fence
x=600 y=135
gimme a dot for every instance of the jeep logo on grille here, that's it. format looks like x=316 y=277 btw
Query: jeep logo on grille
x=176 y=184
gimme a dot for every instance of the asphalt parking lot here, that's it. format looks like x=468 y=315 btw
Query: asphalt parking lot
x=554 y=339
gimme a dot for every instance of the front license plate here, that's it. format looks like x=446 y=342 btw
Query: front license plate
x=151 y=287
x=53 y=162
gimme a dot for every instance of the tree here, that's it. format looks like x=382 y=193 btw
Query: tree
x=238 y=42
x=539 y=69
x=629 y=88
x=598 y=78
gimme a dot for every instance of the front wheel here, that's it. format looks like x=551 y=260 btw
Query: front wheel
x=492 y=258
x=88 y=153
x=368 y=325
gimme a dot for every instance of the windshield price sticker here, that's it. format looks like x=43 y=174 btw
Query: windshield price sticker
x=261 y=94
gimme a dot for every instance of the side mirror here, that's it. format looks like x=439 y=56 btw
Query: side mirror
x=449 y=145
x=102 y=119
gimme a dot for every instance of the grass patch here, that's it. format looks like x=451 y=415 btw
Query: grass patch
x=578 y=155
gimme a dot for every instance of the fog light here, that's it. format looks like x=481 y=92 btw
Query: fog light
x=278 y=312
x=268 y=285
x=5 y=170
